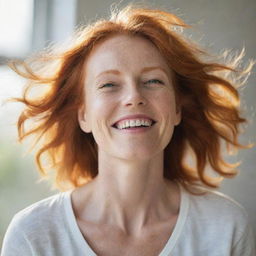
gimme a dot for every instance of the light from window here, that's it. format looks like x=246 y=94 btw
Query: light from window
x=16 y=24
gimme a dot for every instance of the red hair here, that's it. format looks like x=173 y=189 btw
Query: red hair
x=208 y=98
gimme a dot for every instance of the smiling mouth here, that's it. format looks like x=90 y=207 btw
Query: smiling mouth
x=132 y=125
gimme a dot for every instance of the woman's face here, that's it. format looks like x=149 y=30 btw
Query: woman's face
x=126 y=76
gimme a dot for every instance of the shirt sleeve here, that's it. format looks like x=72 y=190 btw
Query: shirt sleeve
x=245 y=245
x=15 y=242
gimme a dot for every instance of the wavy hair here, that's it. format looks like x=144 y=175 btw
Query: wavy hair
x=207 y=92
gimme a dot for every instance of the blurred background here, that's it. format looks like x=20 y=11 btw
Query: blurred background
x=27 y=26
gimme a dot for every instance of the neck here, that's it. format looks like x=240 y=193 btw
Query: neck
x=132 y=194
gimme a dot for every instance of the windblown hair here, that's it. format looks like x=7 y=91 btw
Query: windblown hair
x=207 y=92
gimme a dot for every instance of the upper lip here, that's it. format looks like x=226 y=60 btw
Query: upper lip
x=137 y=116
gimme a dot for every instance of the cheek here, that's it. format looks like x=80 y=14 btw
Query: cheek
x=99 y=112
x=167 y=105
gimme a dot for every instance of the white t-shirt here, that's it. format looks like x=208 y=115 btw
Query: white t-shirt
x=212 y=225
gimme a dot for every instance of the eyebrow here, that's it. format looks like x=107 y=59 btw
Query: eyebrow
x=144 y=70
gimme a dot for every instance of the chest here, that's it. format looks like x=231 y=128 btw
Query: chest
x=109 y=242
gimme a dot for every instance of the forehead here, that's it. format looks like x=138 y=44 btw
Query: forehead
x=126 y=52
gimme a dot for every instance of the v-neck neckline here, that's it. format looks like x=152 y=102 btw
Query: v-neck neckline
x=82 y=243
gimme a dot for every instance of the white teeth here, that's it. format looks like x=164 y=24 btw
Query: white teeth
x=148 y=123
x=133 y=123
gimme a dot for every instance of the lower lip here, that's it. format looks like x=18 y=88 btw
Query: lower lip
x=135 y=129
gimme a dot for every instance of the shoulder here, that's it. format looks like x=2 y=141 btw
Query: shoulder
x=217 y=218
x=217 y=210
x=41 y=210
x=215 y=198
x=34 y=224
x=43 y=213
x=216 y=204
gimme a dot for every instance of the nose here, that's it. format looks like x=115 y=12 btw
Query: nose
x=134 y=95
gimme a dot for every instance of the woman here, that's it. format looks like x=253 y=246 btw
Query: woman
x=125 y=105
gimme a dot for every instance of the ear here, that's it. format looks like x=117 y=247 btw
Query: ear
x=84 y=125
x=178 y=115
